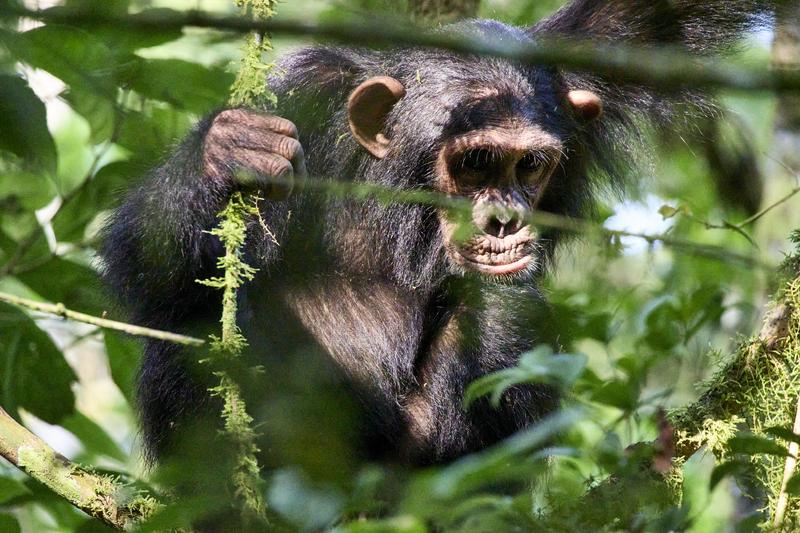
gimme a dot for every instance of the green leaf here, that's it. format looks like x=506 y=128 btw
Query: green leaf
x=537 y=366
x=79 y=59
x=793 y=485
x=29 y=191
x=10 y=489
x=663 y=325
x=97 y=110
x=78 y=286
x=749 y=444
x=9 y=524
x=147 y=134
x=23 y=125
x=129 y=39
x=720 y=472
x=399 y=524
x=34 y=373
x=621 y=394
x=99 y=194
x=93 y=437
x=783 y=433
x=667 y=211
x=124 y=356
x=200 y=89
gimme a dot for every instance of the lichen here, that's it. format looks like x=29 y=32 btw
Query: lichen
x=759 y=387
x=250 y=88
x=237 y=423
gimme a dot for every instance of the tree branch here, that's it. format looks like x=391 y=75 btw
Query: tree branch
x=665 y=69
x=60 y=310
x=102 y=497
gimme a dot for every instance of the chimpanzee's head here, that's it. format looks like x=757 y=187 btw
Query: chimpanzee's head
x=487 y=130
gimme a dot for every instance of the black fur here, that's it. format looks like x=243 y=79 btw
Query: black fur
x=367 y=284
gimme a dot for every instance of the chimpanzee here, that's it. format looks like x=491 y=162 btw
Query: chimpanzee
x=406 y=310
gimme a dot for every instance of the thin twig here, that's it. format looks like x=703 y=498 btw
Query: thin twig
x=769 y=208
x=59 y=310
x=363 y=190
x=664 y=69
x=788 y=471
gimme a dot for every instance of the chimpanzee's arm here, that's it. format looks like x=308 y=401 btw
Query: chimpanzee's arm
x=157 y=243
x=474 y=341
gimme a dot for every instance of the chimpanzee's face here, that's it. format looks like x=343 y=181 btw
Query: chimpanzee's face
x=498 y=147
x=500 y=159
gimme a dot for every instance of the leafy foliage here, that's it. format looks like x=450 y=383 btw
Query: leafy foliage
x=85 y=111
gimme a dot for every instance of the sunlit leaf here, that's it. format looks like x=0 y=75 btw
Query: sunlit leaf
x=35 y=374
x=98 y=110
x=749 y=444
x=10 y=489
x=23 y=127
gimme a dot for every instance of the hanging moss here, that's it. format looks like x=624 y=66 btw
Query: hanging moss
x=232 y=232
x=758 y=388
x=249 y=89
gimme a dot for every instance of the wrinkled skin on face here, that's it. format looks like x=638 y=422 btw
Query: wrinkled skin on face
x=498 y=156
x=503 y=171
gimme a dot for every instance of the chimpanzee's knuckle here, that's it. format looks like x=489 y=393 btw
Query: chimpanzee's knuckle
x=283 y=126
x=229 y=116
x=281 y=168
x=290 y=147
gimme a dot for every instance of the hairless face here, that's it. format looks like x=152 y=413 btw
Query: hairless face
x=499 y=158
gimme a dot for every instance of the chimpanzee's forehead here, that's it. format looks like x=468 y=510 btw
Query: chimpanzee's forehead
x=492 y=94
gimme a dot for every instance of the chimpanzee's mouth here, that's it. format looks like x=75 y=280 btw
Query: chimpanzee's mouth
x=495 y=256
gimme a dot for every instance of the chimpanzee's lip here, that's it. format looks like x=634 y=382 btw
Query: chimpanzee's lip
x=495 y=256
x=501 y=269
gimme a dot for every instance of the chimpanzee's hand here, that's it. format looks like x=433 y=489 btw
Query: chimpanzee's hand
x=256 y=150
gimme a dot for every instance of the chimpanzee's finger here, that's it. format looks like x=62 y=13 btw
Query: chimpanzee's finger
x=283 y=145
x=268 y=172
x=245 y=119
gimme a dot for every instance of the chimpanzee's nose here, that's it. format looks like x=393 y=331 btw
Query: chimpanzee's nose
x=503 y=222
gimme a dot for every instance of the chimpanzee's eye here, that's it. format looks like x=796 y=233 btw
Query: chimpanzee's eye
x=477 y=160
x=533 y=162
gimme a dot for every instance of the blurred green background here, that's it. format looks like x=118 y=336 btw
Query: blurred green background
x=652 y=320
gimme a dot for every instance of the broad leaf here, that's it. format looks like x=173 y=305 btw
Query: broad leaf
x=35 y=374
x=23 y=126
x=93 y=437
x=124 y=355
x=749 y=444
x=201 y=89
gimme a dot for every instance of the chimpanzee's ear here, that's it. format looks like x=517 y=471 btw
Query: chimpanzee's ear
x=586 y=104
x=368 y=107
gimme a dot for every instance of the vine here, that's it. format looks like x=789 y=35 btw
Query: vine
x=250 y=89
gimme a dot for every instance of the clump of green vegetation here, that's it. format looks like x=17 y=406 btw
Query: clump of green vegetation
x=249 y=89
x=758 y=388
